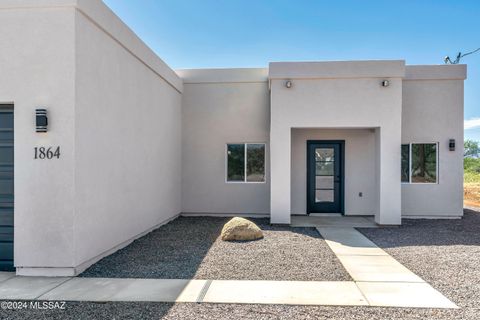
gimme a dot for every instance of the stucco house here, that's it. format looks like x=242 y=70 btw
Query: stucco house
x=103 y=142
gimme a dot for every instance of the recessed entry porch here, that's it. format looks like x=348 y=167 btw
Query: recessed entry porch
x=340 y=173
x=333 y=171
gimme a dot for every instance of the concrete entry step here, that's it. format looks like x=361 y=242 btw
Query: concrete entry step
x=333 y=221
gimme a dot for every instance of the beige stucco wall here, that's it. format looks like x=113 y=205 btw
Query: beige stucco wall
x=127 y=140
x=433 y=112
x=337 y=95
x=115 y=111
x=220 y=107
x=37 y=65
x=359 y=168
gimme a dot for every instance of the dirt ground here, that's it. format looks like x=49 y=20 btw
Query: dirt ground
x=471 y=194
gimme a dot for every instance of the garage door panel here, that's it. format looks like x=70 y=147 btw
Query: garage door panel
x=6 y=117
x=6 y=234
x=6 y=154
x=6 y=135
x=6 y=201
x=6 y=187
x=6 y=248
x=6 y=217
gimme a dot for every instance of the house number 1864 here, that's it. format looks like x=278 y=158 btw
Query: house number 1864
x=47 y=152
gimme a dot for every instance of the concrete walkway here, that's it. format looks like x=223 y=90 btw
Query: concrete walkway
x=379 y=280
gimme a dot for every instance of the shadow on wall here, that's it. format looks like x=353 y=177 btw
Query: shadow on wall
x=429 y=232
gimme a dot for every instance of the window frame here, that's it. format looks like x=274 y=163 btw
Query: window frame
x=437 y=163
x=245 y=151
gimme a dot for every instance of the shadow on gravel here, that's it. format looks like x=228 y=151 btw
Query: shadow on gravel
x=176 y=250
x=173 y=251
x=429 y=232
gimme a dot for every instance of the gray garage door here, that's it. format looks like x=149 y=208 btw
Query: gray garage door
x=6 y=187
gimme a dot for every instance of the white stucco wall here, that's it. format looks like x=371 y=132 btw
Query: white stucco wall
x=359 y=168
x=37 y=63
x=219 y=107
x=433 y=112
x=115 y=111
x=337 y=95
x=128 y=138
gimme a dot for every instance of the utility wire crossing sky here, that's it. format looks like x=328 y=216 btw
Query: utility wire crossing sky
x=252 y=33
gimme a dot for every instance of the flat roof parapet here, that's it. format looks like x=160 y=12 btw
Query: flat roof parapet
x=436 y=72
x=231 y=75
x=337 y=69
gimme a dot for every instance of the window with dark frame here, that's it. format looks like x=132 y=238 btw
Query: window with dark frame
x=419 y=163
x=246 y=162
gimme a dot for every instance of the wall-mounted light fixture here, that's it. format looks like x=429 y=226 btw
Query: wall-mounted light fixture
x=385 y=83
x=451 y=144
x=288 y=84
x=41 y=120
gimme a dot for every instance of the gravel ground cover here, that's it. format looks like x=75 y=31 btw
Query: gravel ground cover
x=445 y=253
x=190 y=247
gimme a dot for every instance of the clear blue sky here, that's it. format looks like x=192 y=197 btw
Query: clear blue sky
x=251 y=33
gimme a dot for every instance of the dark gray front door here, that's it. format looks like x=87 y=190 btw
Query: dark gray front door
x=325 y=176
x=6 y=187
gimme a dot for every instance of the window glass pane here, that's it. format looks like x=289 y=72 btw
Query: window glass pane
x=236 y=162
x=324 y=182
x=324 y=168
x=424 y=163
x=324 y=154
x=405 y=162
x=324 y=196
x=255 y=162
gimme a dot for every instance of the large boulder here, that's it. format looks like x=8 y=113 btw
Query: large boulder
x=241 y=229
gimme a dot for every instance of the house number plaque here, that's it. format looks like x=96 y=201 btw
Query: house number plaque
x=46 y=153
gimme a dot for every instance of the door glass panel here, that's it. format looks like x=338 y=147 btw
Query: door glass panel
x=324 y=182
x=324 y=154
x=324 y=168
x=324 y=175
x=324 y=196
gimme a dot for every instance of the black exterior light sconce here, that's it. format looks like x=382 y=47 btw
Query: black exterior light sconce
x=41 y=120
x=385 y=83
x=451 y=144
x=288 y=84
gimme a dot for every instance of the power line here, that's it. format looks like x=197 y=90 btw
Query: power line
x=447 y=59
